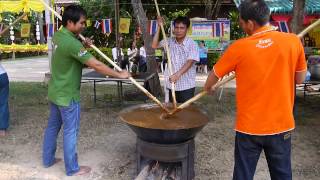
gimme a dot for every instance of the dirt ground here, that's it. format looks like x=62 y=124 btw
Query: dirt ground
x=108 y=145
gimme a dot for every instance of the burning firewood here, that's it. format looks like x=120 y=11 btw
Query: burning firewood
x=144 y=173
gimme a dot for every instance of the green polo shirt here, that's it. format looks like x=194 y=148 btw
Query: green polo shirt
x=68 y=58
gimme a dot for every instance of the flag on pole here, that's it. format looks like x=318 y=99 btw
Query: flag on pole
x=283 y=26
x=25 y=29
x=218 y=29
x=124 y=25
x=153 y=27
x=50 y=30
x=106 y=26
x=97 y=24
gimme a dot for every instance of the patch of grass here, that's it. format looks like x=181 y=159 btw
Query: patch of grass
x=27 y=93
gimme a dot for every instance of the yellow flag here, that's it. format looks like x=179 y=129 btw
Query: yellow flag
x=25 y=29
x=124 y=25
x=89 y=23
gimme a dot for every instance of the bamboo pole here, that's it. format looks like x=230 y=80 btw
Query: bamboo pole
x=114 y=64
x=306 y=30
x=13 y=23
x=201 y=94
x=168 y=56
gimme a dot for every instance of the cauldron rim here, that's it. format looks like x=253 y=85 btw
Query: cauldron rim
x=162 y=136
x=152 y=105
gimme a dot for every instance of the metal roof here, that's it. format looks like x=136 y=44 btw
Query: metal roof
x=286 y=6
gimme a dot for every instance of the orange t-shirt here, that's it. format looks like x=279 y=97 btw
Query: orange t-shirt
x=265 y=65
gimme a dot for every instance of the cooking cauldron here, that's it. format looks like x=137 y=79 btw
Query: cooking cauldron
x=163 y=135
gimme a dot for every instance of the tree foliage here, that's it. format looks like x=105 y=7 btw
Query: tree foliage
x=236 y=31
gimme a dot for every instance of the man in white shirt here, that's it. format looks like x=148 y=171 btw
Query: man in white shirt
x=143 y=59
x=184 y=54
x=115 y=56
x=132 y=55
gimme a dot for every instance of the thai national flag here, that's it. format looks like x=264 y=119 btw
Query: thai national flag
x=50 y=30
x=106 y=26
x=97 y=24
x=218 y=29
x=283 y=26
x=153 y=27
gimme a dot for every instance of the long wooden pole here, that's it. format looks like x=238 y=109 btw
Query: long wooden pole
x=168 y=56
x=198 y=96
x=306 y=30
x=13 y=23
x=201 y=94
x=114 y=64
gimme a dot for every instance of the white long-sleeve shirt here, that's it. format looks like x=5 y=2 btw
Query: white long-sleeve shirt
x=143 y=52
x=132 y=53
x=114 y=53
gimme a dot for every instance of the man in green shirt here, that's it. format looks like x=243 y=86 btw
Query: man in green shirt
x=68 y=58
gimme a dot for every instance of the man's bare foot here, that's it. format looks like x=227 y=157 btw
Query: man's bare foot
x=3 y=133
x=82 y=171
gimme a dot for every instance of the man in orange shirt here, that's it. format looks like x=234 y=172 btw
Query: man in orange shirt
x=267 y=64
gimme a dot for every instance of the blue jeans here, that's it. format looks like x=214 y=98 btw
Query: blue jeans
x=69 y=116
x=277 y=149
x=4 y=106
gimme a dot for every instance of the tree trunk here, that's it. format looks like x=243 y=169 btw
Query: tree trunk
x=212 y=8
x=217 y=9
x=209 y=9
x=40 y=20
x=298 y=15
x=152 y=67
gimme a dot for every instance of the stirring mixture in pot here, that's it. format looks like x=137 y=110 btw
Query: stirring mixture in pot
x=150 y=117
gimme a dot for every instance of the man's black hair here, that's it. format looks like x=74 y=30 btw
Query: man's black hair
x=73 y=13
x=182 y=19
x=255 y=10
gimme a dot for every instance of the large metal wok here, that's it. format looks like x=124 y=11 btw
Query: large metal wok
x=162 y=136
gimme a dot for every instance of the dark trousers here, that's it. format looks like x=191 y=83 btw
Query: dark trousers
x=4 y=106
x=277 y=149
x=182 y=96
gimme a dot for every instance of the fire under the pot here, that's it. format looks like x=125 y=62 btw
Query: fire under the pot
x=170 y=142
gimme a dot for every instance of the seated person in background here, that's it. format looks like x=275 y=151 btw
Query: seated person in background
x=142 y=59
x=115 y=56
x=132 y=55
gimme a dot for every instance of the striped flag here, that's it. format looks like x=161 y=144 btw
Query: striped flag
x=106 y=26
x=153 y=27
x=218 y=29
x=50 y=30
x=97 y=24
x=283 y=26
